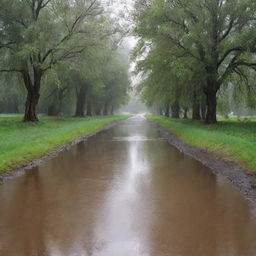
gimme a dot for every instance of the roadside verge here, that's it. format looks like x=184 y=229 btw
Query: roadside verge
x=27 y=145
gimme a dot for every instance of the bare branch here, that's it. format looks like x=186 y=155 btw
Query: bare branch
x=226 y=33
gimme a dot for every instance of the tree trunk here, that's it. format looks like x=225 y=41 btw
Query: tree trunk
x=185 y=116
x=98 y=111
x=175 y=109
x=15 y=106
x=167 y=110
x=112 y=111
x=105 y=111
x=203 y=108
x=54 y=108
x=51 y=109
x=211 y=102
x=195 y=107
x=81 y=100
x=61 y=96
x=89 y=109
x=196 y=111
x=30 y=107
x=33 y=94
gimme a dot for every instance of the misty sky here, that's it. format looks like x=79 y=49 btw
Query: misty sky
x=122 y=10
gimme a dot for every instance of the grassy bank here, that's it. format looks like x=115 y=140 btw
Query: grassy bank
x=21 y=143
x=232 y=140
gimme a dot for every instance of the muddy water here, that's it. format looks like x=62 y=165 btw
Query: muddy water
x=124 y=192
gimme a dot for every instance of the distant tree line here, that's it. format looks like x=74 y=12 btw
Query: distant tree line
x=63 y=57
x=196 y=56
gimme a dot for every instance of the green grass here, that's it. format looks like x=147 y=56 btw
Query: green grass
x=233 y=140
x=21 y=142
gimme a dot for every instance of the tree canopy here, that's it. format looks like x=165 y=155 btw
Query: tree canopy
x=37 y=38
x=200 y=45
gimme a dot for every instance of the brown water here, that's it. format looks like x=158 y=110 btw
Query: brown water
x=124 y=192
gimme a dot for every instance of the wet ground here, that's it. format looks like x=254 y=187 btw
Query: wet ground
x=124 y=192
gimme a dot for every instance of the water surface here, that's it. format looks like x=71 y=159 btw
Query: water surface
x=124 y=192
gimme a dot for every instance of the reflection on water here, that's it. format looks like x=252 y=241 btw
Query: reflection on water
x=135 y=138
x=124 y=192
x=120 y=224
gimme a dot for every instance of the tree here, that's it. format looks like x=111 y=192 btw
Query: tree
x=37 y=34
x=218 y=35
x=57 y=91
x=116 y=82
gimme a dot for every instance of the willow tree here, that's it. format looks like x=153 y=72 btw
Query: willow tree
x=217 y=34
x=37 y=34
x=100 y=74
x=175 y=80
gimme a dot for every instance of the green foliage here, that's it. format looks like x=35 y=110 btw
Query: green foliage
x=62 y=45
x=233 y=140
x=189 y=49
x=21 y=143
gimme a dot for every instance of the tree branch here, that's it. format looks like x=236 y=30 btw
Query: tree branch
x=11 y=70
x=229 y=51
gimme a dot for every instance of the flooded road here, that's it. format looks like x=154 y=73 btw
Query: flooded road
x=124 y=192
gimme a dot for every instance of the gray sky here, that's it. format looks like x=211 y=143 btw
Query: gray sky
x=121 y=9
